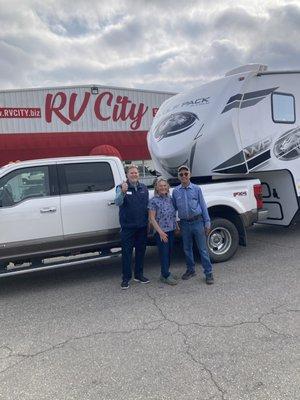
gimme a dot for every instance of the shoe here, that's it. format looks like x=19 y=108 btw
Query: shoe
x=170 y=280
x=124 y=285
x=209 y=279
x=142 y=279
x=188 y=274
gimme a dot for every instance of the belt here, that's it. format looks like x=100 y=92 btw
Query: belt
x=195 y=218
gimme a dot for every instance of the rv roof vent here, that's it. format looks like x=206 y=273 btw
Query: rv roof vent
x=259 y=68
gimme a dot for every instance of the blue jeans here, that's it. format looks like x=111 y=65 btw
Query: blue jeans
x=165 y=250
x=190 y=230
x=133 y=238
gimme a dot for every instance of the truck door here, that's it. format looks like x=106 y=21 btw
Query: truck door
x=270 y=140
x=30 y=216
x=89 y=215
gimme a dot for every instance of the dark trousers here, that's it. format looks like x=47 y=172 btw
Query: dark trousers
x=133 y=238
x=165 y=250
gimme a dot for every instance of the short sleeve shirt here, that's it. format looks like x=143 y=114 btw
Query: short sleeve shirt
x=165 y=213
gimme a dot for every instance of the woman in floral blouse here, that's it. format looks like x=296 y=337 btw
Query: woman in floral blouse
x=162 y=216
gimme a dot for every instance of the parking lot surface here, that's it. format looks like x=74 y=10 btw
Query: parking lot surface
x=73 y=334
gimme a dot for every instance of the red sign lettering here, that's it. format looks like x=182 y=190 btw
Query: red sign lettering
x=154 y=111
x=13 y=112
x=97 y=107
x=73 y=116
x=106 y=108
x=50 y=107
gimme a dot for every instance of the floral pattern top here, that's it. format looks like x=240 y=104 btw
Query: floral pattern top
x=165 y=213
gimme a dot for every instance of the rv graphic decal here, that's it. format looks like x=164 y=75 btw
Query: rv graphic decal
x=256 y=148
x=249 y=158
x=235 y=160
x=259 y=159
x=257 y=153
x=192 y=155
x=287 y=147
x=174 y=124
x=190 y=103
x=235 y=164
x=247 y=99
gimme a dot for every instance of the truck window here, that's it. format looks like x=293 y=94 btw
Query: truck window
x=23 y=184
x=283 y=108
x=87 y=177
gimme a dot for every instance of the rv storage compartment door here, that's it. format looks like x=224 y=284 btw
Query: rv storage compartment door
x=279 y=196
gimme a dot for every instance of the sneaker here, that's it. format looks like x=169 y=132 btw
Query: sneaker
x=124 y=285
x=188 y=274
x=142 y=279
x=170 y=280
x=209 y=279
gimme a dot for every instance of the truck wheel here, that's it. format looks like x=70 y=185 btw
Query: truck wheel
x=223 y=240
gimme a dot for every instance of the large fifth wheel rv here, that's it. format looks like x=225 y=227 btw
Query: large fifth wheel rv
x=246 y=123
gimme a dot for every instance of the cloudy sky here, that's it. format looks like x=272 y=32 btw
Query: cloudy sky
x=156 y=44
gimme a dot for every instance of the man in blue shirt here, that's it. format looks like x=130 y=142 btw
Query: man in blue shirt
x=132 y=198
x=194 y=223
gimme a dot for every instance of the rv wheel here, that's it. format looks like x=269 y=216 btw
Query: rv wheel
x=223 y=240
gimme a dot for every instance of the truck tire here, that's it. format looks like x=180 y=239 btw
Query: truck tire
x=223 y=240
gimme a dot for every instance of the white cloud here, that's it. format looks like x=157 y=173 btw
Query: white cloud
x=164 y=45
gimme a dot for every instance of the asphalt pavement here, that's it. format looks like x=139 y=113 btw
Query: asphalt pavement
x=73 y=334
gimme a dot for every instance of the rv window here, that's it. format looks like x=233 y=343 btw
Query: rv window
x=88 y=177
x=23 y=184
x=283 y=108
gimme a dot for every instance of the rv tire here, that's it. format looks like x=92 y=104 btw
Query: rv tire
x=223 y=240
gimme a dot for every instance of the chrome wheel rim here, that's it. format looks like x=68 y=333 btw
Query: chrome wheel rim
x=219 y=240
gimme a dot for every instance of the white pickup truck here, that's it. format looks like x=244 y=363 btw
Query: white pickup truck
x=58 y=212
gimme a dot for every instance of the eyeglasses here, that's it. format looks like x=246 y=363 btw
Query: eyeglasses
x=160 y=178
x=181 y=174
